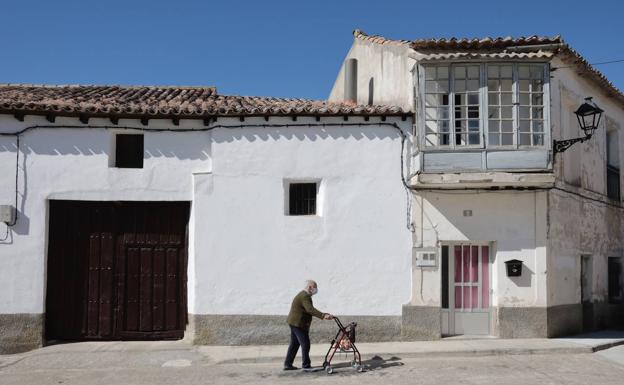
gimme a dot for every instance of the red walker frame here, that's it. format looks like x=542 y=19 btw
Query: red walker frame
x=344 y=337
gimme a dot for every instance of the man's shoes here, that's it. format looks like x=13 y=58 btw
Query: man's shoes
x=308 y=369
x=291 y=367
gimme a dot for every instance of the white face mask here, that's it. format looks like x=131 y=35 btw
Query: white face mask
x=313 y=291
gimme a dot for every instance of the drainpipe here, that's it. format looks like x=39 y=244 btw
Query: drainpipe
x=350 y=83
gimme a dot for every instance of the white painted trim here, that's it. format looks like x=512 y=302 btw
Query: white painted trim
x=485 y=145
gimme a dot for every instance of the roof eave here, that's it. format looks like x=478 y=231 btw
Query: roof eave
x=88 y=115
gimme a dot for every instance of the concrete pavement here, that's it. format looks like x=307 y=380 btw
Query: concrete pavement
x=586 y=343
x=163 y=364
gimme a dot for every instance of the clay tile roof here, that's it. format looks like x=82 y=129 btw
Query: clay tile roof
x=454 y=43
x=494 y=46
x=164 y=102
x=483 y=43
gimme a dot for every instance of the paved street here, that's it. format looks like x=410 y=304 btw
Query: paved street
x=179 y=364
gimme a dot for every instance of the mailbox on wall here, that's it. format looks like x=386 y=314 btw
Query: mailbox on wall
x=514 y=268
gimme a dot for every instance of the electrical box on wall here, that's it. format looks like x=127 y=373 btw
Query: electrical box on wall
x=426 y=259
x=7 y=213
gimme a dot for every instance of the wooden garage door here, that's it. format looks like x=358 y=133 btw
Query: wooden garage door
x=116 y=270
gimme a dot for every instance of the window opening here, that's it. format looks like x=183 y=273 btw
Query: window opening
x=500 y=105
x=128 y=151
x=466 y=84
x=613 y=166
x=302 y=198
x=513 y=97
x=531 y=104
x=437 y=116
x=614 y=278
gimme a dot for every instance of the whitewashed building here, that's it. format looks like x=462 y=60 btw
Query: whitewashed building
x=177 y=212
x=488 y=187
x=171 y=212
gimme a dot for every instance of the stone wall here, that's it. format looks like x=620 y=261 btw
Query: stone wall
x=20 y=332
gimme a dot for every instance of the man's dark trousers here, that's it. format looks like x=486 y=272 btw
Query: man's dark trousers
x=298 y=337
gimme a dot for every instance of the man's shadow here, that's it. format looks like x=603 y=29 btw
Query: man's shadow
x=345 y=368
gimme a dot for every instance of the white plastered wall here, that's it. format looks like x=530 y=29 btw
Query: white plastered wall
x=357 y=248
x=579 y=226
x=513 y=223
x=245 y=255
x=384 y=75
x=73 y=164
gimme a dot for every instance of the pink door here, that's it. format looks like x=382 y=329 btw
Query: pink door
x=470 y=290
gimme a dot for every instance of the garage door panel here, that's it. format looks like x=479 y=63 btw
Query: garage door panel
x=131 y=308
x=145 y=295
x=172 y=288
x=140 y=219
x=159 y=289
x=112 y=273
x=106 y=285
x=94 y=285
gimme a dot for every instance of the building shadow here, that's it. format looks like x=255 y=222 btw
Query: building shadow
x=341 y=369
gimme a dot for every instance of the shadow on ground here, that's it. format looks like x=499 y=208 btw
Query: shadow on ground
x=376 y=363
x=597 y=335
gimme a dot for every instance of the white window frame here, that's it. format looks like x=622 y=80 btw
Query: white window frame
x=451 y=106
x=483 y=108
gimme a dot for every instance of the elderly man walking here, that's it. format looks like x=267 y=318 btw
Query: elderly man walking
x=299 y=320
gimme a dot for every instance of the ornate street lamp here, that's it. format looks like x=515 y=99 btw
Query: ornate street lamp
x=588 y=116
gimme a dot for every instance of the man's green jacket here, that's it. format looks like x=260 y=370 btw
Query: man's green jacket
x=302 y=310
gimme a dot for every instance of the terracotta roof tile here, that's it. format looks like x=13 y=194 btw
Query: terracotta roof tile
x=496 y=45
x=164 y=102
x=462 y=43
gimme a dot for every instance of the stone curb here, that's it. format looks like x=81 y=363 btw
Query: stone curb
x=609 y=345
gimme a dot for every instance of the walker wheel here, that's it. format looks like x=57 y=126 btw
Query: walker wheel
x=359 y=368
x=325 y=364
x=354 y=364
x=329 y=369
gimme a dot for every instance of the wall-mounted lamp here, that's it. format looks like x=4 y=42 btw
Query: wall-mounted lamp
x=588 y=116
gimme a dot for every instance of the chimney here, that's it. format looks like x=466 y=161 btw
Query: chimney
x=350 y=82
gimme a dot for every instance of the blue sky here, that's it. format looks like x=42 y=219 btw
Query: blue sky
x=275 y=48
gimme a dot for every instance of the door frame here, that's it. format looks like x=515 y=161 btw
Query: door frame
x=447 y=321
x=58 y=226
x=121 y=331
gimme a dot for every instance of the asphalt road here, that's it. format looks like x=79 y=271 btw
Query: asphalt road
x=190 y=367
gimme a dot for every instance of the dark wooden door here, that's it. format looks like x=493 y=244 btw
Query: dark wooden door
x=116 y=270
x=151 y=250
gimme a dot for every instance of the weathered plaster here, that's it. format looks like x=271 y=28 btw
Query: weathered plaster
x=384 y=75
x=420 y=323
x=577 y=225
x=246 y=256
x=513 y=223
x=252 y=329
x=20 y=332
x=522 y=322
x=564 y=320
x=357 y=247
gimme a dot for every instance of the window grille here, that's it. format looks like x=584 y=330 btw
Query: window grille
x=464 y=104
x=302 y=199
